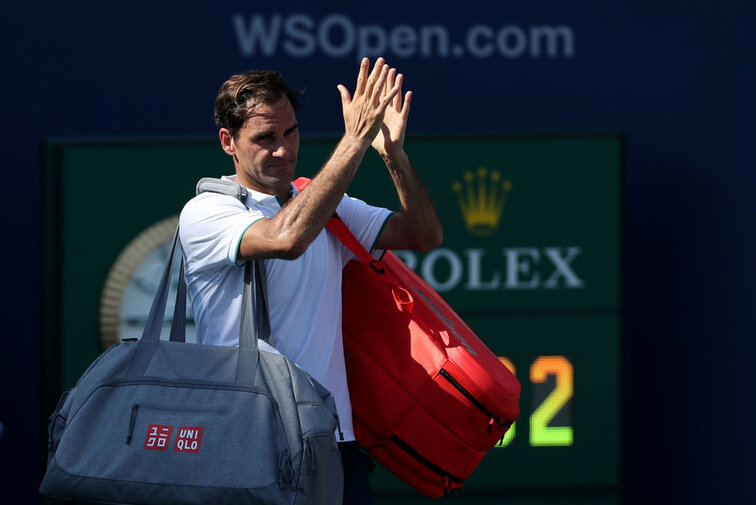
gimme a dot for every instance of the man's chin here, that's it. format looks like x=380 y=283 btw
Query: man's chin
x=268 y=185
x=280 y=177
x=281 y=183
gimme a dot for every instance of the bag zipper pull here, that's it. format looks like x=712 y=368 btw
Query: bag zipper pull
x=490 y=424
x=338 y=427
x=285 y=470
x=311 y=458
x=132 y=423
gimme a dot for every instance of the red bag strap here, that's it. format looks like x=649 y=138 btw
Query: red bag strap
x=340 y=230
x=403 y=298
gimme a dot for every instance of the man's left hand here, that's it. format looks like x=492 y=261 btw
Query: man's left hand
x=389 y=141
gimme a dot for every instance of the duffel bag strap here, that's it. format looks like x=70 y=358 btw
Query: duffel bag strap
x=178 y=326
x=254 y=323
x=239 y=192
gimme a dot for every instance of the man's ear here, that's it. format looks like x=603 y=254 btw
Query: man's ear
x=227 y=141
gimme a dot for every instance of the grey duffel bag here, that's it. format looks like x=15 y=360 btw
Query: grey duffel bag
x=167 y=422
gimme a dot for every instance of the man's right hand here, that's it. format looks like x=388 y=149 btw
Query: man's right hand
x=363 y=112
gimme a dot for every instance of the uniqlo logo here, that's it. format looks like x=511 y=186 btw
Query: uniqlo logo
x=188 y=439
x=158 y=436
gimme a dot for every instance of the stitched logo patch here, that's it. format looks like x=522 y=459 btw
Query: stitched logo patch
x=158 y=436
x=188 y=439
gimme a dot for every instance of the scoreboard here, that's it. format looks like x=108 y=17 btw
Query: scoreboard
x=531 y=260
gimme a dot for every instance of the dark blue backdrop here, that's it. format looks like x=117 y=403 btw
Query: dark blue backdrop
x=676 y=77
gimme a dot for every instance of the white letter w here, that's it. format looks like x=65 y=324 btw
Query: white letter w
x=248 y=34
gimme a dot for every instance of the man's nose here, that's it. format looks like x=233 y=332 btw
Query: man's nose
x=283 y=149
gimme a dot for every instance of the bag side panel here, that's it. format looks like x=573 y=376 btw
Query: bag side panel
x=310 y=425
x=387 y=366
x=171 y=436
x=322 y=473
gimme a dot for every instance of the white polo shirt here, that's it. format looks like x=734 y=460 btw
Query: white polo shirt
x=304 y=295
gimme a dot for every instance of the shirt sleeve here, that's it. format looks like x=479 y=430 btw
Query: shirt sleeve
x=211 y=228
x=364 y=221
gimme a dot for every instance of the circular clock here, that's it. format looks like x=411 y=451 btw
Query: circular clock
x=132 y=282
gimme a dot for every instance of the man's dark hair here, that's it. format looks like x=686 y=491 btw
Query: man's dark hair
x=243 y=92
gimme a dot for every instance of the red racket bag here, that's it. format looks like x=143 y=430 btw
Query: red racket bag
x=429 y=399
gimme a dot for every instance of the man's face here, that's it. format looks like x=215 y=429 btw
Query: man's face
x=265 y=151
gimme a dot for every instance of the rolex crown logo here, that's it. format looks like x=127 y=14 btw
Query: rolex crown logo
x=482 y=196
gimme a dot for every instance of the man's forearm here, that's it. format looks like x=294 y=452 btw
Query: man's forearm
x=419 y=218
x=307 y=214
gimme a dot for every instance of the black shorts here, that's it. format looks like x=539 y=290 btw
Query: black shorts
x=357 y=466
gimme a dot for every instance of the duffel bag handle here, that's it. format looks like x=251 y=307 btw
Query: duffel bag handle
x=254 y=323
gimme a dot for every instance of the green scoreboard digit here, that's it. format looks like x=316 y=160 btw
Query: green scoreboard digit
x=531 y=260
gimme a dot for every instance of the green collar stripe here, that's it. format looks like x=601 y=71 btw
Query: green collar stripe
x=380 y=231
x=238 y=245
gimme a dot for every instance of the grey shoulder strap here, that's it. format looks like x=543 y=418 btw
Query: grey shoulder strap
x=222 y=186
x=233 y=189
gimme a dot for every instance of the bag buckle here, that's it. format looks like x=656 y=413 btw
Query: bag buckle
x=377 y=266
